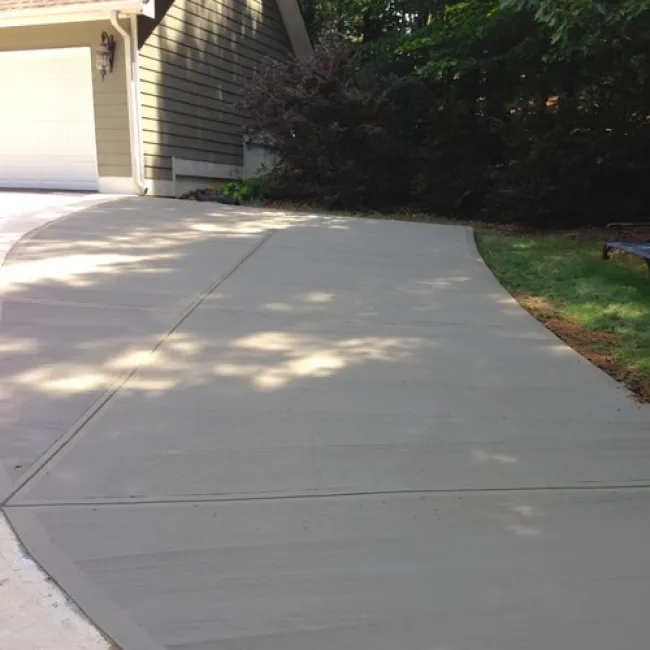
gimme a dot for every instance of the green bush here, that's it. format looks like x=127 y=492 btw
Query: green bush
x=252 y=190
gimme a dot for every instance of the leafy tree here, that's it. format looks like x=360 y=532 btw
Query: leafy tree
x=583 y=25
x=536 y=110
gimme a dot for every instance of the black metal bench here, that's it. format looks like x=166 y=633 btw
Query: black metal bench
x=640 y=249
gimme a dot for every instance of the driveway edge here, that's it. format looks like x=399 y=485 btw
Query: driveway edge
x=124 y=632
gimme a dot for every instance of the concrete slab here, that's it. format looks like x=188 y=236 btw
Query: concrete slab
x=34 y=613
x=128 y=268
x=325 y=433
x=439 y=283
x=20 y=212
x=429 y=410
x=86 y=300
x=488 y=571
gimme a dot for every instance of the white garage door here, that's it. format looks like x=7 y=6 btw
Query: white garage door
x=47 y=121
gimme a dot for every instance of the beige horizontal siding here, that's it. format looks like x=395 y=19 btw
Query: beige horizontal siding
x=114 y=147
x=158 y=161
x=199 y=14
x=158 y=172
x=193 y=66
x=164 y=45
x=202 y=118
x=210 y=75
x=109 y=95
x=188 y=153
x=261 y=31
x=113 y=159
x=198 y=35
x=211 y=131
x=192 y=104
x=178 y=85
x=171 y=141
x=105 y=110
x=113 y=122
x=112 y=170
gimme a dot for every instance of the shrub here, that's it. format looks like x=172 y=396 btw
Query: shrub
x=482 y=117
x=255 y=189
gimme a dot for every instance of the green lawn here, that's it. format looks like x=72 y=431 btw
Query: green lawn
x=568 y=278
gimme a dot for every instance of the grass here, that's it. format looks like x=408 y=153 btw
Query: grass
x=601 y=308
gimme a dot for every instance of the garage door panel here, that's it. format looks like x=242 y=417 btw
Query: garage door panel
x=47 y=177
x=47 y=122
x=56 y=140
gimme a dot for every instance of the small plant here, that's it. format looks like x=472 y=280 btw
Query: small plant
x=235 y=191
x=251 y=190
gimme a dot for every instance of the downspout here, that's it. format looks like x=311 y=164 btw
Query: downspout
x=137 y=101
x=133 y=104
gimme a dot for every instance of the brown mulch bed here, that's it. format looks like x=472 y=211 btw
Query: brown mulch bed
x=587 y=234
x=591 y=345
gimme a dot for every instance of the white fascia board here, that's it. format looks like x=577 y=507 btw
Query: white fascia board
x=70 y=13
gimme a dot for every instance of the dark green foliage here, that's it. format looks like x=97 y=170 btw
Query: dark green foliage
x=340 y=135
x=529 y=110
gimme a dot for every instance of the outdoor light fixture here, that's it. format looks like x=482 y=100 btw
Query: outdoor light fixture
x=105 y=54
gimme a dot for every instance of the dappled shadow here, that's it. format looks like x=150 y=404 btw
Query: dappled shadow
x=362 y=327
x=265 y=361
x=73 y=270
x=374 y=366
x=303 y=356
x=87 y=300
x=68 y=257
x=522 y=519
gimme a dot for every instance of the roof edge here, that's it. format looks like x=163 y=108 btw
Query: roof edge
x=78 y=12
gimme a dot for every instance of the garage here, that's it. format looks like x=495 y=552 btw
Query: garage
x=47 y=121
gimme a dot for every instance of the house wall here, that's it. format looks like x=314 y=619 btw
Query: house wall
x=194 y=60
x=111 y=114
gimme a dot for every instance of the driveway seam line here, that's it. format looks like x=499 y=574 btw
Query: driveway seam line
x=43 y=461
x=55 y=215
x=125 y=501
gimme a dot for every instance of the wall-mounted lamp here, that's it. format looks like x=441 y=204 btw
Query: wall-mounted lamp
x=105 y=54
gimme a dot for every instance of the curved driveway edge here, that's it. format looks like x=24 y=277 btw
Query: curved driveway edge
x=26 y=594
x=343 y=435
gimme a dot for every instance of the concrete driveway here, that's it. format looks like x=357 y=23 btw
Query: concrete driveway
x=231 y=429
x=20 y=212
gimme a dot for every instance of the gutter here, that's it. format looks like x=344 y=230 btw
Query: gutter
x=133 y=101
